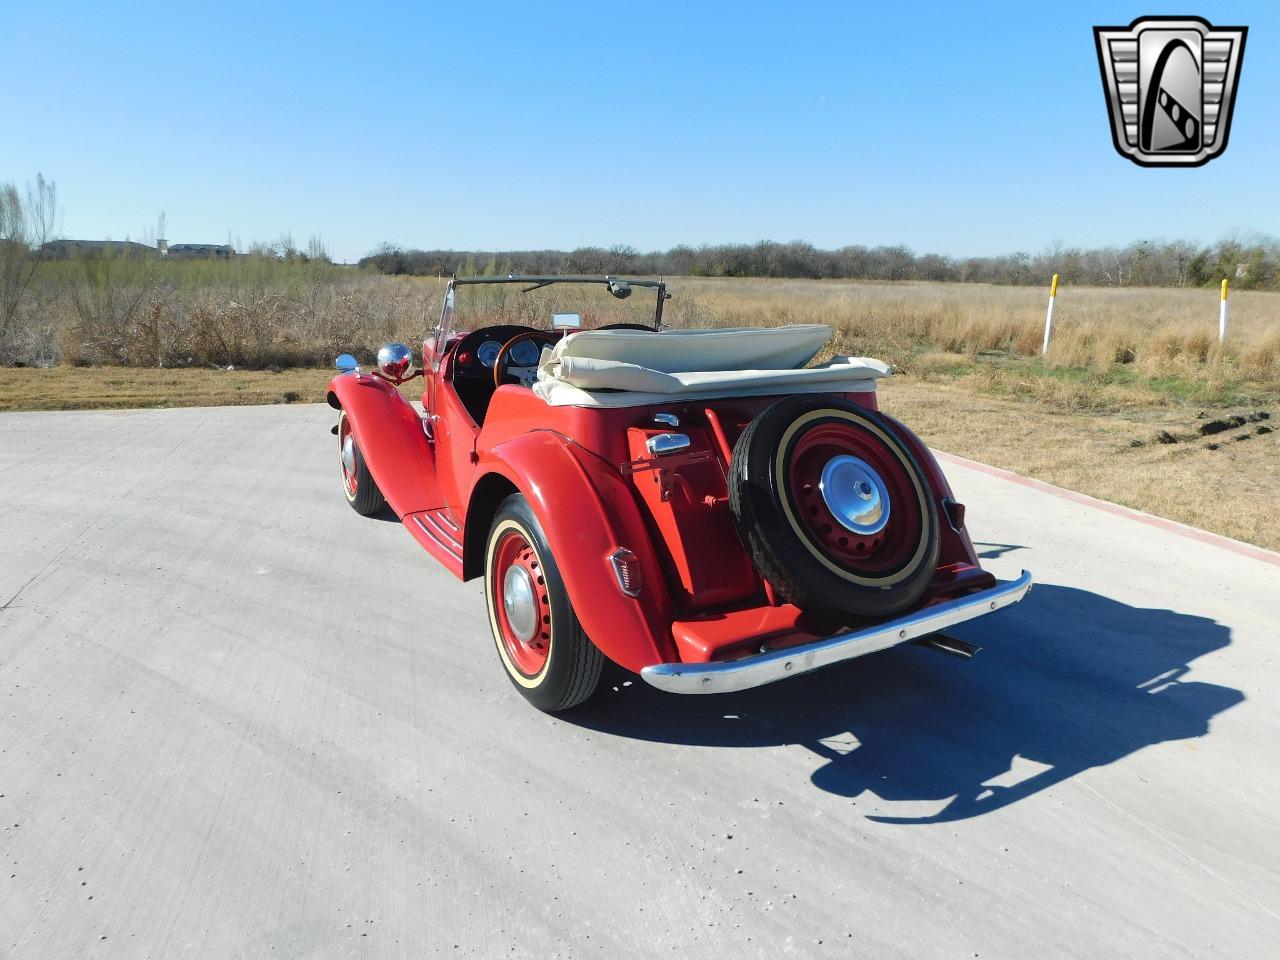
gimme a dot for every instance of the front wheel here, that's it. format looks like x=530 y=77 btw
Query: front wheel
x=357 y=482
x=543 y=648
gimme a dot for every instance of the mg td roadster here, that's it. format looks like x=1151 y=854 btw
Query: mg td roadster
x=706 y=508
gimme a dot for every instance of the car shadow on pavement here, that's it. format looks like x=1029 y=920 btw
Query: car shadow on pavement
x=989 y=551
x=1069 y=680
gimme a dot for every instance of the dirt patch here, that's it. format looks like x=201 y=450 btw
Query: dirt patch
x=1223 y=424
x=1227 y=485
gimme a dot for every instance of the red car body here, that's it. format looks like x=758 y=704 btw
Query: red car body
x=702 y=615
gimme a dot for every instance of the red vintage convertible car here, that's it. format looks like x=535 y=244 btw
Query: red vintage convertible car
x=703 y=507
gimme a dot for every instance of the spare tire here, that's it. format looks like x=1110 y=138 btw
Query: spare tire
x=833 y=508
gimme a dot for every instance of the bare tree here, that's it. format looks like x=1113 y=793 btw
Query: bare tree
x=27 y=221
x=317 y=252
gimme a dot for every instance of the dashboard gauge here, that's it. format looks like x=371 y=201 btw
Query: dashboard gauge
x=526 y=354
x=488 y=352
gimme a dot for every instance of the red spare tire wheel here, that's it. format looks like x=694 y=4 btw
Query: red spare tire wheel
x=833 y=508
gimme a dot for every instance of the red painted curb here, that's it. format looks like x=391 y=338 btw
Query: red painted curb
x=1191 y=533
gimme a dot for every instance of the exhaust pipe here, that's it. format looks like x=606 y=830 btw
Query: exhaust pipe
x=952 y=645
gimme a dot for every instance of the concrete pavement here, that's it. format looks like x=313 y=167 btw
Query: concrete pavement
x=238 y=720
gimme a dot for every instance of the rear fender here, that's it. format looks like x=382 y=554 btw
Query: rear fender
x=587 y=512
x=956 y=547
x=388 y=431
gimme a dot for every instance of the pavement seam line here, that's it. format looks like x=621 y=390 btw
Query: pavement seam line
x=1173 y=846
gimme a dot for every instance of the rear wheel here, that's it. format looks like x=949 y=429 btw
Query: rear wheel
x=357 y=483
x=833 y=508
x=540 y=642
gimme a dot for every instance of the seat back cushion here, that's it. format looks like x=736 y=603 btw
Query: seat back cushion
x=685 y=351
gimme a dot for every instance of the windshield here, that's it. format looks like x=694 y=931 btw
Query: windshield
x=474 y=302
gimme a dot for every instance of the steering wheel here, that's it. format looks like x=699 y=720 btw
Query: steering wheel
x=502 y=361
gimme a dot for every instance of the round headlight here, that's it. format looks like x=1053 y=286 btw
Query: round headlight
x=395 y=360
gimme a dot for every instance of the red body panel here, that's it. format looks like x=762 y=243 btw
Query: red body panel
x=687 y=513
x=587 y=477
x=587 y=514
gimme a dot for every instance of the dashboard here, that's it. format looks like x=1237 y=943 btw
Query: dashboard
x=474 y=357
x=523 y=354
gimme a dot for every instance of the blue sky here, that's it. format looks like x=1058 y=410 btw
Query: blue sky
x=955 y=128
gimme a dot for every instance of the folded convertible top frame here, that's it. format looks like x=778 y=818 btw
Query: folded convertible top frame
x=538 y=281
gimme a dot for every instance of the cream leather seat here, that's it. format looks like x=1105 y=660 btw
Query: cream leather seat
x=621 y=368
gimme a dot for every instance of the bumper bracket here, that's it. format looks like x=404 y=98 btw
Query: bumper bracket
x=755 y=671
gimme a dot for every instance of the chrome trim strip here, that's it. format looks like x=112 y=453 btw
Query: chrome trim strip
x=438 y=538
x=755 y=671
x=434 y=519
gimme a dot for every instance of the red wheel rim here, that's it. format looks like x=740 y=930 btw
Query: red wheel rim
x=524 y=621
x=881 y=552
x=346 y=457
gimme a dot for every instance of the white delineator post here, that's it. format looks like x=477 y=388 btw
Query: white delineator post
x=1048 y=317
x=1222 y=314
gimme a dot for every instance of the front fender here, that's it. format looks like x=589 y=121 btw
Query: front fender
x=587 y=512
x=388 y=431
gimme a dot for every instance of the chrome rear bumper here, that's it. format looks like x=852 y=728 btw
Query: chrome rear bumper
x=755 y=671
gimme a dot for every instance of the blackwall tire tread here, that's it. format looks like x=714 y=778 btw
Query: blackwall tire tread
x=768 y=565
x=368 y=500
x=585 y=672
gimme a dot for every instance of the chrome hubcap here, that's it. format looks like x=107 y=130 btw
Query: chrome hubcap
x=349 y=455
x=518 y=602
x=855 y=495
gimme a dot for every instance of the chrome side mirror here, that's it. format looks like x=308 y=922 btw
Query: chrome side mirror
x=346 y=363
x=395 y=361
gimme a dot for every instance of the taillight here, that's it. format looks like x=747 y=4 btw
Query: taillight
x=626 y=566
x=955 y=514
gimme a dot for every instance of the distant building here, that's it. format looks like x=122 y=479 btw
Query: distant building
x=66 y=249
x=222 y=251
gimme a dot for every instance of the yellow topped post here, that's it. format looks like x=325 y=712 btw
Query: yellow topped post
x=1048 y=317
x=1222 y=313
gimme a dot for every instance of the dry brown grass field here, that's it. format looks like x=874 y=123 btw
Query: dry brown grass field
x=1123 y=407
x=1146 y=332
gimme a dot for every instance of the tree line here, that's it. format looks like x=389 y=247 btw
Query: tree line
x=1251 y=262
